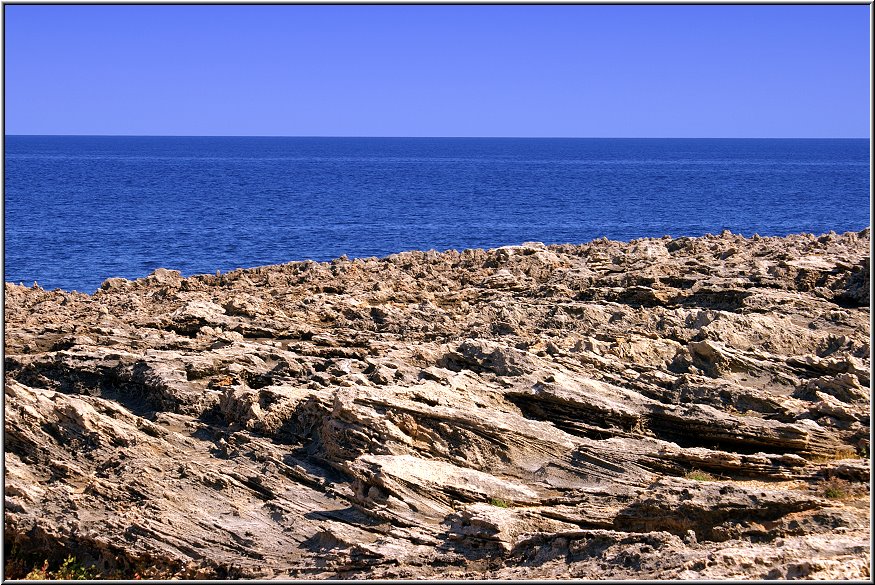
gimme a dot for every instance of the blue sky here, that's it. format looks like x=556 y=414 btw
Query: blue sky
x=555 y=71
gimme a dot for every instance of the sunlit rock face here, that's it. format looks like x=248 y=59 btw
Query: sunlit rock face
x=692 y=408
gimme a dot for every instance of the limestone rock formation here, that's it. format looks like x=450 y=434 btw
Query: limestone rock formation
x=664 y=408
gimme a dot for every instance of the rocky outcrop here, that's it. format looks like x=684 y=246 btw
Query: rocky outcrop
x=664 y=408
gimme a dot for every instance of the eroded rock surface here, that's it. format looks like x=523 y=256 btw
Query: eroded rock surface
x=664 y=408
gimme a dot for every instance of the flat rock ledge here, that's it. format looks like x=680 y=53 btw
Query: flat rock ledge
x=692 y=408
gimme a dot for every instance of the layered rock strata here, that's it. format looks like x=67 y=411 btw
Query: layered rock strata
x=663 y=408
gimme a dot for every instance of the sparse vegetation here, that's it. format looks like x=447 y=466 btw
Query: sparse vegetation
x=836 y=488
x=698 y=475
x=39 y=574
x=73 y=570
x=499 y=503
x=839 y=454
x=69 y=570
x=847 y=453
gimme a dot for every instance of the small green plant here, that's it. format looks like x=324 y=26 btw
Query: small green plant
x=698 y=475
x=835 y=488
x=73 y=570
x=499 y=503
x=70 y=570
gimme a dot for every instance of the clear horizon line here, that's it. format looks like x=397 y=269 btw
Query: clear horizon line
x=446 y=137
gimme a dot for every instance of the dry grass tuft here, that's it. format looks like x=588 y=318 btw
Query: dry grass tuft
x=698 y=475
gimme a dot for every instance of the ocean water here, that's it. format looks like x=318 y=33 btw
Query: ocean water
x=79 y=210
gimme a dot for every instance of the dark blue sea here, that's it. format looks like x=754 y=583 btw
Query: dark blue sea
x=79 y=210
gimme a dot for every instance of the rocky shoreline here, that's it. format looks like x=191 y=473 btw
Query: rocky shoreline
x=691 y=408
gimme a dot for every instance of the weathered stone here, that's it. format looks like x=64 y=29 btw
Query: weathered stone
x=658 y=409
